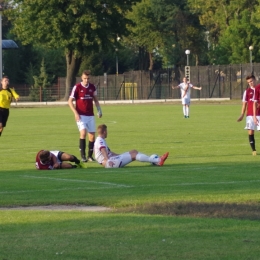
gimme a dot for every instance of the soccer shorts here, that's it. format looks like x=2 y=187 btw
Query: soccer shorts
x=185 y=101
x=58 y=154
x=4 y=114
x=119 y=161
x=250 y=125
x=87 y=122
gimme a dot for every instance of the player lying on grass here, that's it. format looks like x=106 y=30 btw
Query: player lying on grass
x=52 y=160
x=109 y=159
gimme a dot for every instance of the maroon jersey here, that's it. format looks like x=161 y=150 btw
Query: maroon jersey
x=249 y=97
x=257 y=93
x=83 y=96
x=47 y=166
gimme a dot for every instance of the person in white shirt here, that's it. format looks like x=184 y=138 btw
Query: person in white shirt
x=109 y=159
x=185 y=87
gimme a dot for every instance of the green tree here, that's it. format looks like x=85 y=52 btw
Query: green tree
x=41 y=85
x=76 y=26
x=231 y=26
x=165 y=28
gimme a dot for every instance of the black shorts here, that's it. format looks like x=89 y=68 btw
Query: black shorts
x=4 y=114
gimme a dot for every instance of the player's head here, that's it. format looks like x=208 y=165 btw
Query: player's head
x=5 y=81
x=45 y=156
x=250 y=79
x=102 y=130
x=85 y=76
x=185 y=79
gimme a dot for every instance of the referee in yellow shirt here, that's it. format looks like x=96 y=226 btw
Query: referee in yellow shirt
x=6 y=95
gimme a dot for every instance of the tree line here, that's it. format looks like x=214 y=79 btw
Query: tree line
x=68 y=36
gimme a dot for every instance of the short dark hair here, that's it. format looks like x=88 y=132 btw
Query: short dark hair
x=44 y=155
x=251 y=76
x=5 y=77
x=86 y=72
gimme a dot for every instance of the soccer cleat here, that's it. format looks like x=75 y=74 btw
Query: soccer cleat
x=83 y=159
x=81 y=165
x=254 y=153
x=163 y=159
x=185 y=117
x=91 y=159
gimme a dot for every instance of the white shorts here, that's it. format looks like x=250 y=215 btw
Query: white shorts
x=250 y=125
x=87 y=122
x=119 y=161
x=56 y=153
x=185 y=101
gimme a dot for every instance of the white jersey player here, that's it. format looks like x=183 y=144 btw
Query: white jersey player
x=185 y=88
x=109 y=159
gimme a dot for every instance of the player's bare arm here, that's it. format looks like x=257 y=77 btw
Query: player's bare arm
x=104 y=153
x=71 y=105
x=254 y=112
x=97 y=106
x=243 y=110
x=198 y=88
x=56 y=164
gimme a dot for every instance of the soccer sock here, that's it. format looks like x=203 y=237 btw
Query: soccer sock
x=187 y=111
x=142 y=157
x=252 y=142
x=184 y=110
x=90 y=148
x=75 y=159
x=82 y=147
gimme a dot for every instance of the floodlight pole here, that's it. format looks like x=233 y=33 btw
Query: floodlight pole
x=251 y=63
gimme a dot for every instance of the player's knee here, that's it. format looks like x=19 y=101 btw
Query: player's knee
x=133 y=154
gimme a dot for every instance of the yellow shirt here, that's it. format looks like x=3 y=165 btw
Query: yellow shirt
x=6 y=97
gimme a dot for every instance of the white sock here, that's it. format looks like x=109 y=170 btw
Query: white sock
x=142 y=157
x=184 y=110
x=187 y=111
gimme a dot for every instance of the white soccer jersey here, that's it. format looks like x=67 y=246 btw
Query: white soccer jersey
x=183 y=86
x=99 y=144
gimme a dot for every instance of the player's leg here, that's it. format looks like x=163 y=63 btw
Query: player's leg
x=187 y=110
x=250 y=126
x=63 y=157
x=4 y=114
x=69 y=157
x=91 y=141
x=82 y=137
x=91 y=127
x=183 y=108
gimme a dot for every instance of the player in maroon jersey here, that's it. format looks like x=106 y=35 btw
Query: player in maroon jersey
x=51 y=160
x=248 y=105
x=84 y=93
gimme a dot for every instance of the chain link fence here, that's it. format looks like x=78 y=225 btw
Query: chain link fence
x=225 y=81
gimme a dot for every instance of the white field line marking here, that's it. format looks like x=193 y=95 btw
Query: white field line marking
x=81 y=181
x=156 y=185
x=53 y=190
x=201 y=183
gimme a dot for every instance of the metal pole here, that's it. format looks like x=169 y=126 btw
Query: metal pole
x=187 y=59
x=251 y=65
x=116 y=64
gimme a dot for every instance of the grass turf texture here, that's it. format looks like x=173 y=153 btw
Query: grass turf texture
x=202 y=204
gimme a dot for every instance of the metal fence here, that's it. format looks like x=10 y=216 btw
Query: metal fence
x=225 y=81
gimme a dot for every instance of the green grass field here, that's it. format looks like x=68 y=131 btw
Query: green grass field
x=202 y=204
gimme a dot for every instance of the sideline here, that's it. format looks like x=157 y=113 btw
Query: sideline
x=130 y=101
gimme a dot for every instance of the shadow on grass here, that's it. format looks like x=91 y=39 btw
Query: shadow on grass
x=196 y=209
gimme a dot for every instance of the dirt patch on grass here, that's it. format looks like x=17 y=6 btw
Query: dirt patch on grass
x=193 y=209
